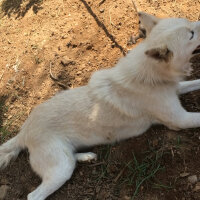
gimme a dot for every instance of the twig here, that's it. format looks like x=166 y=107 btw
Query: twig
x=15 y=67
x=2 y=75
x=9 y=42
x=97 y=164
x=135 y=7
x=23 y=81
x=65 y=87
x=50 y=71
x=172 y=152
x=111 y=19
x=102 y=2
x=120 y=173
x=55 y=79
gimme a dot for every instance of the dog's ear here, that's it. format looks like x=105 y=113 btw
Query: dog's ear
x=147 y=21
x=160 y=54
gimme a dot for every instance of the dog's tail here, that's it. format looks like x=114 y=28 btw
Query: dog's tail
x=10 y=150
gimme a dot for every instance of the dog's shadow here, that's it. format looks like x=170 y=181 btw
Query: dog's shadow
x=20 y=7
x=22 y=180
x=19 y=178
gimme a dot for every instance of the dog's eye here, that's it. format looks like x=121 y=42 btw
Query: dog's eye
x=192 y=32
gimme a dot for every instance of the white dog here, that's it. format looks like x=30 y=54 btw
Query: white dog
x=118 y=103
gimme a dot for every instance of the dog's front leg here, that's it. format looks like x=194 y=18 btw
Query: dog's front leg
x=188 y=86
x=188 y=120
x=183 y=121
x=174 y=116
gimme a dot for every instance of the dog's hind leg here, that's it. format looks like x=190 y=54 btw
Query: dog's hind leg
x=55 y=167
x=188 y=86
x=82 y=157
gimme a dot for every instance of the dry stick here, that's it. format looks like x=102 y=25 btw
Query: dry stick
x=50 y=71
x=2 y=75
x=120 y=173
x=135 y=7
x=172 y=152
x=97 y=164
x=110 y=18
x=133 y=39
x=55 y=79
x=102 y=2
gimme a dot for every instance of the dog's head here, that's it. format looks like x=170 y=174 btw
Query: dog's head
x=171 y=43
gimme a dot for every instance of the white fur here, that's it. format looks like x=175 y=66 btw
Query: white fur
x=117 y=104
x=82 y=157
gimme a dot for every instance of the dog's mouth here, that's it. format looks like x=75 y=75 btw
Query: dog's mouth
x=197 y=50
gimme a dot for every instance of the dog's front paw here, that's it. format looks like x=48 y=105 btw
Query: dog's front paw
x=83 y=157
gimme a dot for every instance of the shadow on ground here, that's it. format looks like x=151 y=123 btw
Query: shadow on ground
x=100 y=24
x=20 y=7
x=2 y=108
x=2 y=111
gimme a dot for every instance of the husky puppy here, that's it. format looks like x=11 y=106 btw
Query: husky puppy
x=118 y=103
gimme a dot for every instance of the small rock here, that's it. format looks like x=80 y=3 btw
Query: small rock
x=113 y=45
x=197 y=187
x=63 y=36
x=67 y=61
x=89 y=47
x=101 y=10
x=9 y=117
x=184 y=174
x=12 y=106
x=192 y=179
x=3 y=191
x=79 y=72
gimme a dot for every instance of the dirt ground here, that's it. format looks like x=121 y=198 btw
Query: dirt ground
x=72 y=39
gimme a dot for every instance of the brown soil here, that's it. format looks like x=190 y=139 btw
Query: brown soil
x=76 y=38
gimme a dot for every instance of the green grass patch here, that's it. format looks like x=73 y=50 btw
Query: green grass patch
x=104 y=156
x=142 y=172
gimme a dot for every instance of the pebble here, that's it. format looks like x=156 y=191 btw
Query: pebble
x=9 y=117
x=3 y=191
x=193 y=179
x=79 y=72
x=63 y=36
x=67 y=61
x=12 y=106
